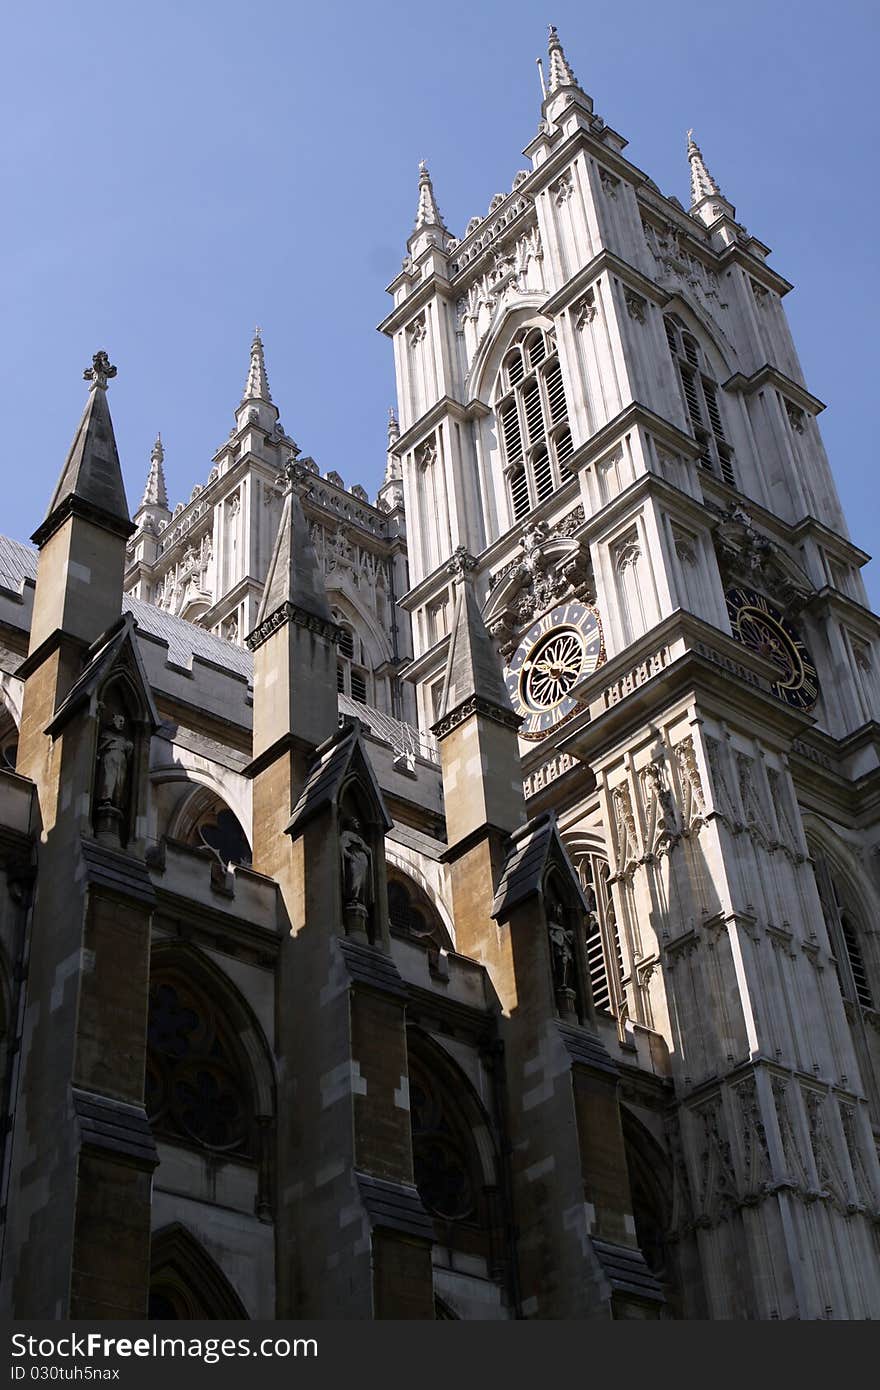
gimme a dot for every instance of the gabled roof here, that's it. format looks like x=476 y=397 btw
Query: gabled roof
x=531 y=849
x=334 y=760
x=115 y=645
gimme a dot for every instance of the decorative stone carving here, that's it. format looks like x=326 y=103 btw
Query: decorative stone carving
x=626 y=834
x=753 y=1139
x=357 y=878
x=610 y=182
x=636 y=305
x=461 y=562
x=661 y=821
x=693 y=798
x=796 y=417
x=717 y=1176
x=746 y=555
x=100 y=372
x=562 y=189
x=585 y=309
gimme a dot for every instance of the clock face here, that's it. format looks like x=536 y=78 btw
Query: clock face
x=760 y=626
x=558 y=650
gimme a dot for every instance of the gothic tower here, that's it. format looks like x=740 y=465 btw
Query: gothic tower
x=600 y=400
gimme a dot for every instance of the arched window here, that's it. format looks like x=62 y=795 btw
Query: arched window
x=700 y=391
x=411 y=914
x=454 y=1160
x=352 y=676
x=845 y=930
x=198 y=1085
x=532 y=419
x=604 y=956
x=186 y=1283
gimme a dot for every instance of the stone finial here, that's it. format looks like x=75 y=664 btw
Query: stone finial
x=294 y=473
x=427 y=213
x=100 y=372
x=561 y=74
x=256 y=387
x=393 y=427
x=702 y=183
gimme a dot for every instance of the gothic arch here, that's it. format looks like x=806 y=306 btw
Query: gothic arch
x=403 y=867
x=651 y=1182
x=343 y=596
x=509 y=319
x=467 y=1108
x=172 y=959
x=191 y=819
x=709 y=333
x=185 y=1282
x=197 y=788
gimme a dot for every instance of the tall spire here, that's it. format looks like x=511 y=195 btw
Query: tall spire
x=91 y=480
x=155 y=492
x=702 y=183
x=561 y=74
x=294 y=583
x=256 y=387
x=427 y=213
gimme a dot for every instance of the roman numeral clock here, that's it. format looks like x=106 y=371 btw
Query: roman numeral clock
x=759 y=625
x=555 y=653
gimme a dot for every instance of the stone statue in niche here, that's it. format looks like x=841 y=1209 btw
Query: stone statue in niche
x=114 y=754
x=113 y=764
x=562 y=958
x=357 y=876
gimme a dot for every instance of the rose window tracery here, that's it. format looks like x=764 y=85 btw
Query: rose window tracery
x=196 y=1086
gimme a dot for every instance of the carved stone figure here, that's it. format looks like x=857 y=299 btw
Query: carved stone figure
x=561 y=945
x=357 y=867
x=114 y=754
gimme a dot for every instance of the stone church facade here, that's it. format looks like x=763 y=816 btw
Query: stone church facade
x=463 y=903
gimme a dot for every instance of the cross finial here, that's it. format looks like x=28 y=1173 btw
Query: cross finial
x=258 y=332
x=292 y=472
x=100 y=372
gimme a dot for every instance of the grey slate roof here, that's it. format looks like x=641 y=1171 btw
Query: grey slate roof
x=530 y=849
x=18 y=562
x=92 y=472
x=626 y=1270
x=472 y=665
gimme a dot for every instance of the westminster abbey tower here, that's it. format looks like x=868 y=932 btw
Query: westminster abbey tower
x=460 y=903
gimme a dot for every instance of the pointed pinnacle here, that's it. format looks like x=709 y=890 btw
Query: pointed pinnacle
x=473 y=668
x=561 y=74
x=427 y=214
x=155 y=492
x=393 y=426
x=702 y=183
x=256 y=387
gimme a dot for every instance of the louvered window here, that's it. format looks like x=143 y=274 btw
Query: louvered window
x=351 y=678
x=844 y=930
x=604 y=954
x=700 y=393
x=533 y=422
x=519 y=491
x=359 y=686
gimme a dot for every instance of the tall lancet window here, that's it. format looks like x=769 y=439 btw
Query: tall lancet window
x=533 y=420
x=700 y=391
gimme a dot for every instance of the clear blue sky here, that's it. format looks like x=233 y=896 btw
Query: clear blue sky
x=176 y=172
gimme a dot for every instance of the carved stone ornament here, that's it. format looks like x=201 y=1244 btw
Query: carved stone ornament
x=537 y=578
x=585 y=309
x=100 y=372
x=745 y=555
x=636 y=305
x=461 y=562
